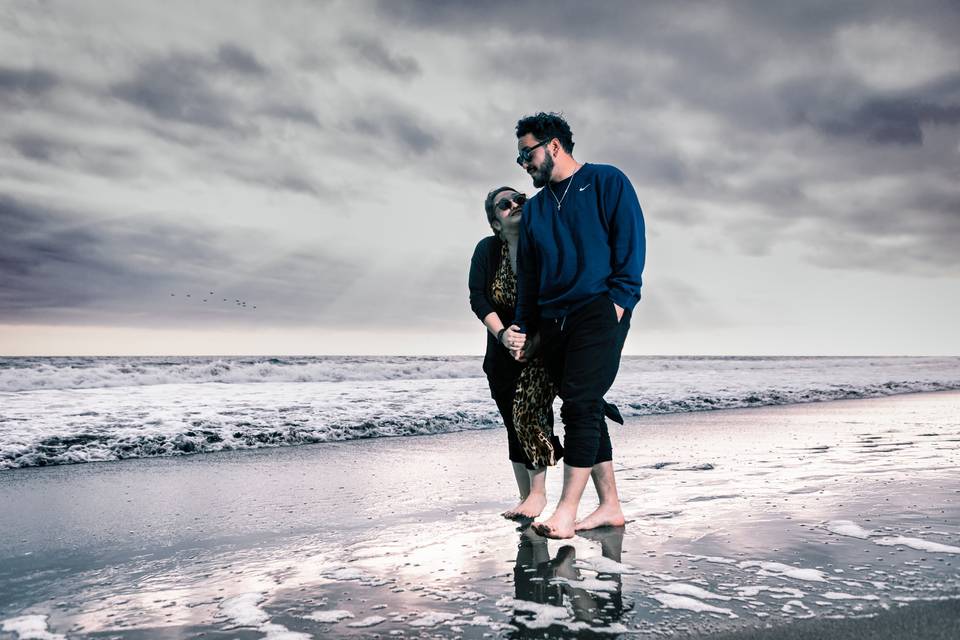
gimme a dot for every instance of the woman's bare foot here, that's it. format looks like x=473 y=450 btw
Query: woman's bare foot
x=559 y=526
x=604 y=516
x=531 y=507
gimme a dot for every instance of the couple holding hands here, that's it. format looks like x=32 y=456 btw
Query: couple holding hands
x=555 y=287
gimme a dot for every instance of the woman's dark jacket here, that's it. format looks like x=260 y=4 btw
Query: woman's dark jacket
x=501 y=369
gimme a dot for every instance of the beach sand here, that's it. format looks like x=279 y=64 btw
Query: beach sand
x=836 y=519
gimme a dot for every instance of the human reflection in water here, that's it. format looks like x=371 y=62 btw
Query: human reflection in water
x=543 y=580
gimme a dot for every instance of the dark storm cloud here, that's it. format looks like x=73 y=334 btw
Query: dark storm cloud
x=83 y=155
x=292 y=112
x=409 y=132
x=916 y=231
x=576 y=20
x=298 y=183
x=19 y=87
x=46 y=262
x=62 y=266
x=279 y=174
x=890 y=121
x=564 y=17
x=35 y=147
x=177 y=88
x=908 y=234
x=929 y=255
x=372 y=51
x=719 y=55
x=281 y=181
x=235 y=58
x=201 y=90
x=188 y=88
x=25 y=81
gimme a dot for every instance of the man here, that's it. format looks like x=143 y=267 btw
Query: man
x=580 y=259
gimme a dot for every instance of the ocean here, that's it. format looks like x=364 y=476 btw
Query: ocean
x=64 y=410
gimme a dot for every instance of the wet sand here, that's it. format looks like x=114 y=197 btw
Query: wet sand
x=838 y=519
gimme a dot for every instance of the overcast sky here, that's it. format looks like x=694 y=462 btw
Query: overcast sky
x=798 y=166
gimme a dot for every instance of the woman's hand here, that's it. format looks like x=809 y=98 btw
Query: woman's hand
x=512 y=339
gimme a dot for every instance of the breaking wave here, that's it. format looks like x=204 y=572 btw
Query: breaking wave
x=71 y=410
x=27 y=374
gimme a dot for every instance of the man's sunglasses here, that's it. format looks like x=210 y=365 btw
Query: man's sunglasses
x=506 y=203
x=526 y=154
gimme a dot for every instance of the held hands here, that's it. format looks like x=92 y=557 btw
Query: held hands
x=512 y=339
x=529 y=349
x=522 y=349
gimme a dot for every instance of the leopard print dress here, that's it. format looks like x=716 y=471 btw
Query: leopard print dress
x=535 y=391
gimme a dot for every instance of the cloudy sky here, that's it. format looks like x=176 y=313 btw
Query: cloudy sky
x=326 y=162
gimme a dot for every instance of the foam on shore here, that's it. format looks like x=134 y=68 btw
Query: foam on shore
x=672 y=601
x=851 y=529
x=848 y=528
x=335 y=615
x=916 y=543
x=683 y=589
x=31 y=627
x=244 y=611
x=778 y=569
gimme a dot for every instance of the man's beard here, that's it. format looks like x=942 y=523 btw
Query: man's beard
x=541 y=176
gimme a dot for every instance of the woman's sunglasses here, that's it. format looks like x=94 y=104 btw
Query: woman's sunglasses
x=506 y=203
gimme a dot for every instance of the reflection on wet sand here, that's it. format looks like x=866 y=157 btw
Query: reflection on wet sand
x=552 y=594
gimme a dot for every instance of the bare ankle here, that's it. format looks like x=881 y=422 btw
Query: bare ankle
x=565 y=512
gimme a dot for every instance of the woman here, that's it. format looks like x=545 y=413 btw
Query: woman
x=522 y=391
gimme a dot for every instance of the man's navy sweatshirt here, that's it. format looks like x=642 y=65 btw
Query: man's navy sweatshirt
x=594 y=244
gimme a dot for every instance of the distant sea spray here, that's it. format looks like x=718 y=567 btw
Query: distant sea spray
x=84 y=409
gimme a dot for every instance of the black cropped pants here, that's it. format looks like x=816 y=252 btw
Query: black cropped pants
x=582 y=354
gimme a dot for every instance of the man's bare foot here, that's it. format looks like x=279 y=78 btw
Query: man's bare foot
x=531 y=507
x=559 y=526
x=604 y=516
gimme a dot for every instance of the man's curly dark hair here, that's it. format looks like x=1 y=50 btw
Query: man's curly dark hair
x=545 y=127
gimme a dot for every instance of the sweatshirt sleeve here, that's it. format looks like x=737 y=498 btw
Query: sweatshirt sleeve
x=628 y=245
x=477 y=281
x=528 y=291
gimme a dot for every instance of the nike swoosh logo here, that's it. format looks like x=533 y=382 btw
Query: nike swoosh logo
x=582 y=188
